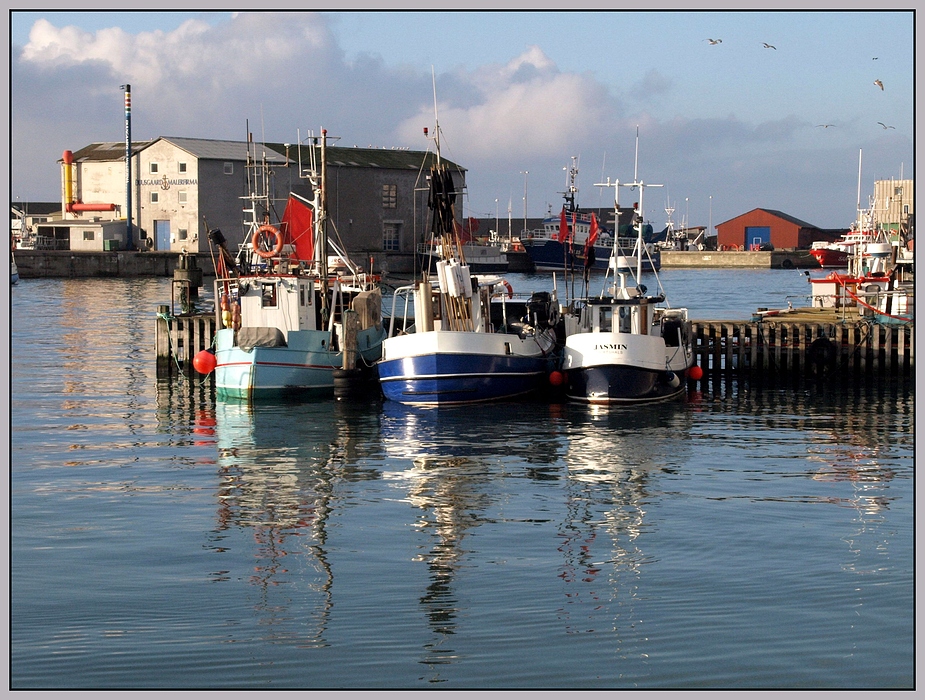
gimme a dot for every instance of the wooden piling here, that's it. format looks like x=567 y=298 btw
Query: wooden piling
x=789 y=349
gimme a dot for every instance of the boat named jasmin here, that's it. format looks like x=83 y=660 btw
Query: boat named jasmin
x=623 y=345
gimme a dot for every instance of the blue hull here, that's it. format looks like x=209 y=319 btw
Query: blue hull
x=461 y=378
x=550 y=255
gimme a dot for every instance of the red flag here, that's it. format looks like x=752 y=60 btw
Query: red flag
x=563 y=227
x=463 y=232
x=571 y=234
x=592 y=235
x=297 y=229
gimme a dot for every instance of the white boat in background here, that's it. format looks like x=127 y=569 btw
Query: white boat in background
x=442 y=346
x=291 y=314
x=624 y=345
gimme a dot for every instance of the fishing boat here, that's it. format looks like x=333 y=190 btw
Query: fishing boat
x=295 y=313
x=854 y=245
x=483 y=255
x=562 y=242
x=443 y=346
x=624 y=345
x=876 y=275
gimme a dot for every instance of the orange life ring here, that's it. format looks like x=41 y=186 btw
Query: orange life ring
x=256 y=240
x=510 y=289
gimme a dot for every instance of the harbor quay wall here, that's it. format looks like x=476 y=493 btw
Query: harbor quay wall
x=764 y=259
x=123 y=263
x=128 y=263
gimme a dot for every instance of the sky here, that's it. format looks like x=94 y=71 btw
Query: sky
x=724 y=127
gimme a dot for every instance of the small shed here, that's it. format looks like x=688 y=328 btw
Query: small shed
x=769 y=227
x=89 y=235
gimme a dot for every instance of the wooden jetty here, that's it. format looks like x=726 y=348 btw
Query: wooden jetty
x=803 y=342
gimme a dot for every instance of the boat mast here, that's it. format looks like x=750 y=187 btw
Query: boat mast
x=616 y=217
x=639 y=209
x=322 y=215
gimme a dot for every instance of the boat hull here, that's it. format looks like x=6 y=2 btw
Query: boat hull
x=449 y=367
x=270 y=372
x=610 y=368
x=830 y=257
x=549 y=254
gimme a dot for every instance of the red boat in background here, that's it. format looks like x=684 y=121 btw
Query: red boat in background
x=836 y=254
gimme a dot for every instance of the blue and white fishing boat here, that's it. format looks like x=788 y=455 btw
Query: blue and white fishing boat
x=443 y=347
x=291 y=315
x=562 y=242
x=624 y=345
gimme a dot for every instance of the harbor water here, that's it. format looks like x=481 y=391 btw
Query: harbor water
x=747 y=537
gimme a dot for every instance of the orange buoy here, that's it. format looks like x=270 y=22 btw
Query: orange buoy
x=204 y=361
x=695 y=373
x=556 y=378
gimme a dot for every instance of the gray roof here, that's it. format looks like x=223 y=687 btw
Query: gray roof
x=107 y=150
x=215 y=149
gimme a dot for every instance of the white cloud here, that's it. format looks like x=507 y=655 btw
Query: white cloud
x=524 y=106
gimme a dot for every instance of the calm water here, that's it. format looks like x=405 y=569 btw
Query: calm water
x=746 y=538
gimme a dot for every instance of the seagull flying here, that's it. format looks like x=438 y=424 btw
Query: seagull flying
x=878 y=84
x=885 y=126
x=768 y=46
x=714 y=42
x=825 y=126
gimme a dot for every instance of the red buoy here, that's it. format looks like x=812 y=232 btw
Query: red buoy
x=556 y=378
x=695 y=373
x=204 y=361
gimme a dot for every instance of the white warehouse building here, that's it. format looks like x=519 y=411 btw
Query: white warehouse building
x=184 y=187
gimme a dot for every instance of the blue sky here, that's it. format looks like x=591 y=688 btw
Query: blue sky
x=725 y=128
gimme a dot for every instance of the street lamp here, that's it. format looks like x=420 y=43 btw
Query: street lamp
x=496 y=216
x=525 y=173
x=711 y=217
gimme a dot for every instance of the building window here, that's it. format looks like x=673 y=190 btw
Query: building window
x=390 y=238
x=182 y=233
x=897 y=191
x=389 y=196
x=154 y=197
x=89 y=236
x=152 y=167
x=182 y=196
x=229 y=168
x=181 y=167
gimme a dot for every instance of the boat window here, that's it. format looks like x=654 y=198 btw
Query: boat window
x=606 y=319
x=268 y=295
x=626 y=316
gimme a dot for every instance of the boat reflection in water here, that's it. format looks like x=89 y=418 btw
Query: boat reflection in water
x=464 y=471
x=616 y=461
x=452 y=467
x=277 y=480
